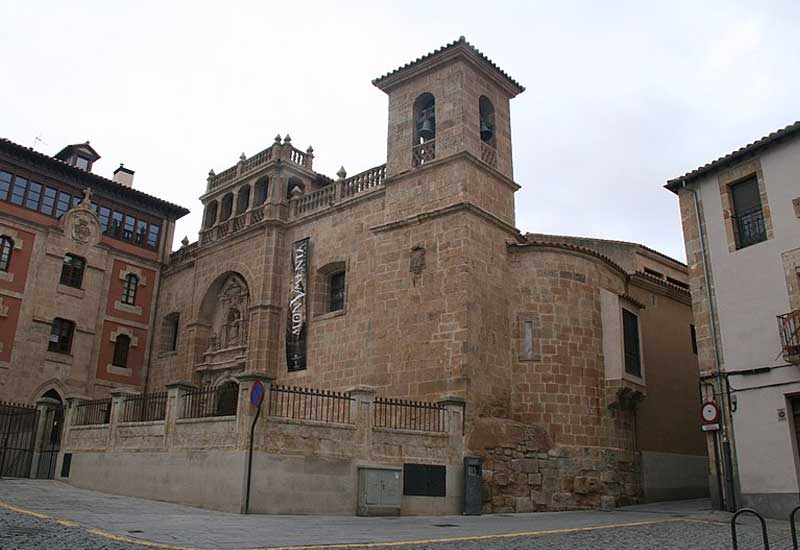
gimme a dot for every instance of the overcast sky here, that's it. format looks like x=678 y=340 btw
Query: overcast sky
x=620 y=96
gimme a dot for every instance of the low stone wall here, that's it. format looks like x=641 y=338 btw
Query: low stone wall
x=299 y=466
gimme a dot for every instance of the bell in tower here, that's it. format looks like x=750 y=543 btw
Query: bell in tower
x=425 y=108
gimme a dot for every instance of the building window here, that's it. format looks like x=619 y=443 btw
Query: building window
x=227 y=207
x=336 y=291
x=82 y=163
x=72 y=271
x=63 y=204
x=129 y=288
x=693 y=334
x=748 y=216
x=48 y=201
x=630 y=329
x=34 y=193
x=18 y=191
x=5 y=185
x=152 y=236
x=6 y=249
x=171 y=327
x=61 y=333
x=121 y=347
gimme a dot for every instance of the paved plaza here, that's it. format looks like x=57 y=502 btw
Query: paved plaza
x=53 y=515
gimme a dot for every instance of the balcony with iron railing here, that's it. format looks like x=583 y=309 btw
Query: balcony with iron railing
x=749 y=227
x=789 y=330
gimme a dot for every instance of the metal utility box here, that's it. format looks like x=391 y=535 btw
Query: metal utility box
x=379 y=491
x=473 y=473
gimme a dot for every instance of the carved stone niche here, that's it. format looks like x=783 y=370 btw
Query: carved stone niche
x=225 y=309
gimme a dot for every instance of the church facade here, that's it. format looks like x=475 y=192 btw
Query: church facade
x=573 y=356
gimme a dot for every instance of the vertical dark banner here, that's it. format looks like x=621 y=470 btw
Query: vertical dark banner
x=296 y=324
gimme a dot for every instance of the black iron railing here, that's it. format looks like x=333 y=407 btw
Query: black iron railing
x=789 y=330
x=309 y=404
x=749 y=227
x=97 y=411
x=145 y=408
x=211 y=401
x=409 y=415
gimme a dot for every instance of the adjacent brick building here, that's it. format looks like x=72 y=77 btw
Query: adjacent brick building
x=570 y=353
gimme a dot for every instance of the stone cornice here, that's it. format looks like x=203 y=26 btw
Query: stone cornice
x=444 y=211
x=461 y=155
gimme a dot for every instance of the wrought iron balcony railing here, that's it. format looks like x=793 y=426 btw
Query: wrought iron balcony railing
x=789 y=330
x=749 y=227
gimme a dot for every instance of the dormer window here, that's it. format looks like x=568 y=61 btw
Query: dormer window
x=82 y=162
x=79 y=155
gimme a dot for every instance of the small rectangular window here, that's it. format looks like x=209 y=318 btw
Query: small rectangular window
x=336 y=301
x=116 y=224
x=48 y=201
x=105 y=215
x=18 y=191
x=63 y=204
x=82 y=163
x=61 y=333
x=72 y=271
x=630 y=328
x=748 y=215
x=5 y=184
x=693 y=334
x=152 y=236
x=34 y=193
x=76 y=200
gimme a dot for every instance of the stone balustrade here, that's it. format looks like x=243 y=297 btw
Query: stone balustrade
x=277 y=151
x=338 y=191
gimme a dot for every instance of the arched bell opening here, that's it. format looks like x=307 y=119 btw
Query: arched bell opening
x=487 y=124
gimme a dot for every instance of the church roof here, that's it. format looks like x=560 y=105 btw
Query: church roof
x=459 y=46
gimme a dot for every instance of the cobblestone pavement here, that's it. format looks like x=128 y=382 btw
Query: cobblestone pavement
x=71 y=519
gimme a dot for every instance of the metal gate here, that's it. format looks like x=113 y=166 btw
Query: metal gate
x=17 y=439
x=51 y=443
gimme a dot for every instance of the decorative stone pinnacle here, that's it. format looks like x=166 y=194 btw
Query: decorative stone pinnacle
x=242 y=158
x=287 y=139
x=211 y=173
x=278 y=138
x=310 y=150
x=185 y=241
x=342 y=173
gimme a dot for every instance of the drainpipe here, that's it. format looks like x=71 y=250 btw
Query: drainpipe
x=726 y=444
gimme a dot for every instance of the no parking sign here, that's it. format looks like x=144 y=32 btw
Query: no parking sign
x=257 y=394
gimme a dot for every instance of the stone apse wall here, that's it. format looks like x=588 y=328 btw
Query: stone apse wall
x=300 y=465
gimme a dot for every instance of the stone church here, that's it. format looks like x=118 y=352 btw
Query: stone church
x=573 y=356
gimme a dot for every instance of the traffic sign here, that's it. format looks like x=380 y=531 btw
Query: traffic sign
x=257 y=394
x=710 y=412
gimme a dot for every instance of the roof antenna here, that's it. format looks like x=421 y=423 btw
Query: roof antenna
x=36 y=141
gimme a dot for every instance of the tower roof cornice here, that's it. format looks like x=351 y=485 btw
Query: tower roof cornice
x=460 y=48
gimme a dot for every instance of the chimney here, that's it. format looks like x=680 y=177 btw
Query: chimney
x=123 y=176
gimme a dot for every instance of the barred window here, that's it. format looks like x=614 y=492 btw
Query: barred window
x=121 y=347
x=72 y=271
x=61 y=332
x=129 y=288
x=336 y=291
x=6 y=249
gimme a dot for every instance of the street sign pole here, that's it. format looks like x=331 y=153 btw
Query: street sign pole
x=256 y=399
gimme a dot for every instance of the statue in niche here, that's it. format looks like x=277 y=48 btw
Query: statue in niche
x=233 y=328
